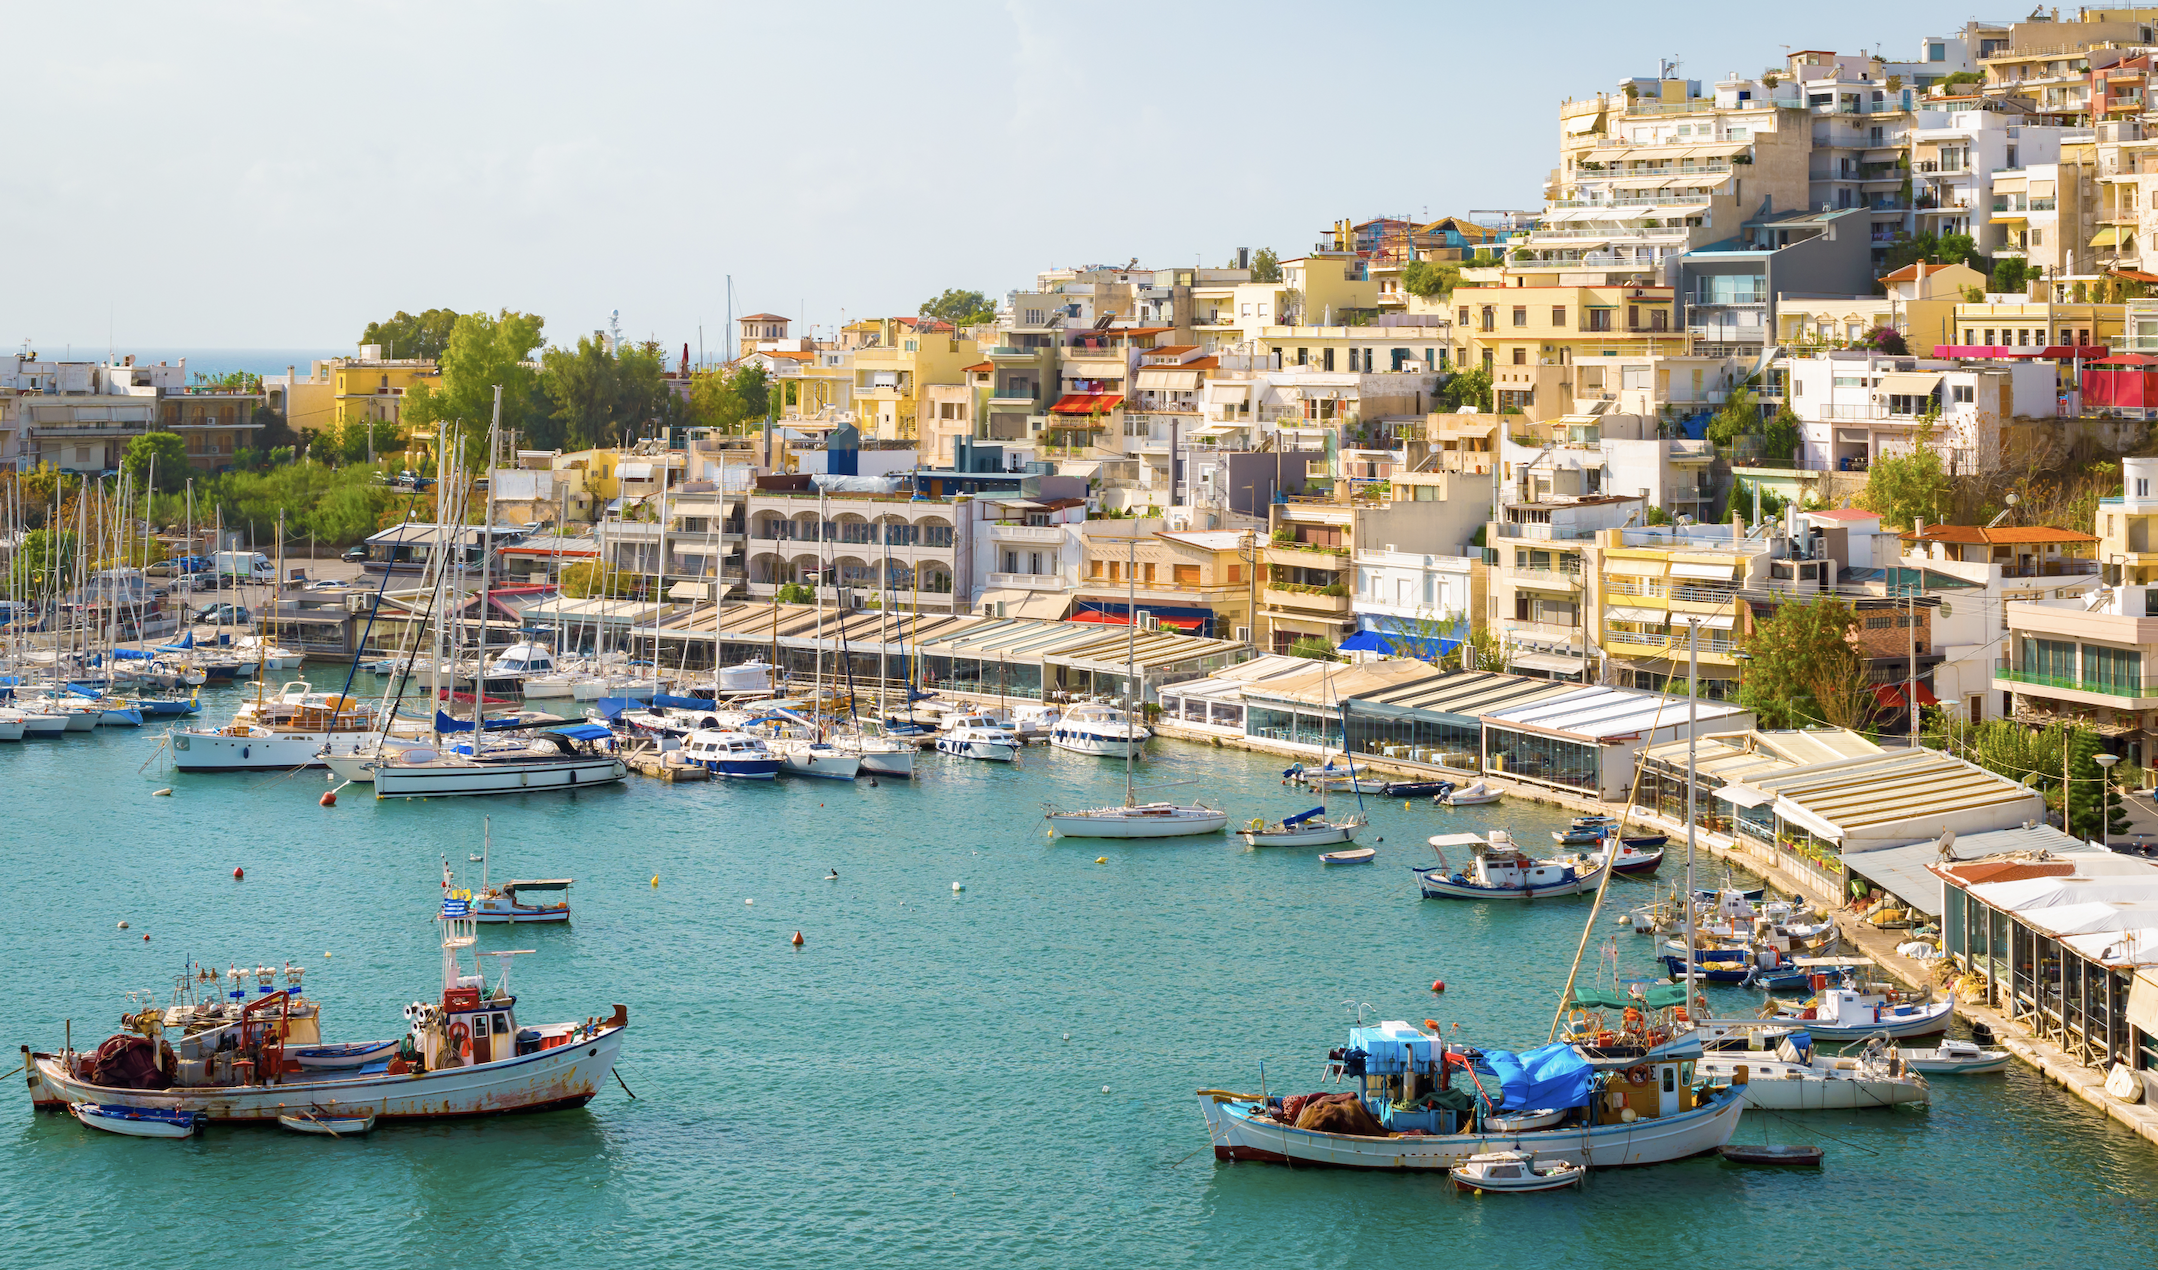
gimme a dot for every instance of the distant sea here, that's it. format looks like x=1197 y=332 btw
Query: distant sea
x=209 y=361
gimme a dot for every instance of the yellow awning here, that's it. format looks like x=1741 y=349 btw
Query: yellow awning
x=2011 y=220
x=2107 y=237
x=1585 y=123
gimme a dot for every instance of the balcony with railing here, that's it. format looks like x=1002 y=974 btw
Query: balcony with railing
x=999 y=531
x=2130 y=691
x=1309 y=599
x=1027 y=581
x=1717 y=643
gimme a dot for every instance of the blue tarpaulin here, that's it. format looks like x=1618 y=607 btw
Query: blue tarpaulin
x=444 y=723
x=1398 y=645
x=681 y=703
x=612 y=707
x=584 y=732
x=1542 y=1079
x=131 y=654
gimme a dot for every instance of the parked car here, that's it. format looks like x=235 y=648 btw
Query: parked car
x=179 y=566
x=224 y=615
x=354 y=555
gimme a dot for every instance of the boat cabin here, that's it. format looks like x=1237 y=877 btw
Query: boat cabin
x=1495 y=861
x=523 y=660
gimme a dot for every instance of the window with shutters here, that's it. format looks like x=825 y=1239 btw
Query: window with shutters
x=1187 y=575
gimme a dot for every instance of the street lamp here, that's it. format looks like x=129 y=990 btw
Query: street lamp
x=2105 y=764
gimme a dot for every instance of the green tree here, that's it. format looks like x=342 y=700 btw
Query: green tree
x=1779 y=437
x=484 y=351
x=1804 y=669
x=2032 y=755
x=590 y=578
x=1961 y=249
x=1419 y=638
x=1739 y=417
x=426 y=336
x=642 y=397
x=164 y=453
x=581 y=384
x=271 y=431
x=236 y=380
x=1907 y=486
x=1772 y=503
x=1483 y=649
x=730 y=401
x=1265 y=265
x=1471 y=387
x=960 y=308
x=43 y=559
x=1313 y=647
x=2010 y=275
x=1430 y=279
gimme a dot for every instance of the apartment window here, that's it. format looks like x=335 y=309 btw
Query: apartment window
x=1490 y=317
x=1097 y=570
x=1599 y=319
x=1989 y=337
x=1970 y=336
x=1464 y=315
x=1521 y=315
x=1558 y=316
x=1115 y=570
x=1633 y=317
x=1521 y=357
x=1327 y=356
x=1149 y=574
x=1187 y=575
x=1303 y=357
x=1236 y=573
x=1961 y=392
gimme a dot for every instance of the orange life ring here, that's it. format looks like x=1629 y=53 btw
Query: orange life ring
x=461 y=1039
x=1638 y=1075
x=1678 y=1013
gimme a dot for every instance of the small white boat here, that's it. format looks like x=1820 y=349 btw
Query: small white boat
x=1793 y=1077
x=1360 y=855
x=1955 y=1058
x=1497 y=869
x=1305 y=829
x=334 y=1126
x=1513 y=1171
x=993 y=744
x=1094 y=728
x=1846 y=1014
x=1474 y=794
x=1520 y=1121
x=11 y=724
x=345 y=1057
x=138 y=1122
x=1139 y=820
x=803 y=757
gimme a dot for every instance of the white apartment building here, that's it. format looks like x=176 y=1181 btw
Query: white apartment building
x=1858 y=407
x=1955 y=154
x=1415 y=594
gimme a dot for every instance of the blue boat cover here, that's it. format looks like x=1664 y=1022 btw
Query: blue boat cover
x=681 y=703
x=1398 y=645
x=1300 y=817
x=131 y=654
x=1548 y=1078
x=85 y=690
x=444 y=723
x=584 y=732
x=612 y=707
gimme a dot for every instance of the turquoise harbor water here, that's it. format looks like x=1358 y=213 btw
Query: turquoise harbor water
x=900 y=1091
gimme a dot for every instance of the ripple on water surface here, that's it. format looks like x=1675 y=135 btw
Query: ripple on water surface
x=899 y=1090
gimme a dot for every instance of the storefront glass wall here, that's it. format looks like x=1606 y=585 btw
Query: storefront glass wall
x=1543 y=758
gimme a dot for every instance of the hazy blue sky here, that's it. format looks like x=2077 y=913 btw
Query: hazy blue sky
x=276 y=175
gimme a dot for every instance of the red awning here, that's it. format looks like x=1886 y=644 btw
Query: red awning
x=1104 y=619
x=2128 y=359
x=1181 y=623
x=1891 y=695
x=1086 y=403
x=2051 y=352
x=2134 y=275
x=1926 y=697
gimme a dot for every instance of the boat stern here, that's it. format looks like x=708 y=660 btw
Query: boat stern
x=43 y=1097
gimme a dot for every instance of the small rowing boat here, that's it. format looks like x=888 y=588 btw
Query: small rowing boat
x=138 y=1122
x=1361 y=855
x=318 y=1121
x=1794 y=1155
x=345 y=1057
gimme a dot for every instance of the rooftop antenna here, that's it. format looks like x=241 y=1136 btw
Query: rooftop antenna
x=614 y=331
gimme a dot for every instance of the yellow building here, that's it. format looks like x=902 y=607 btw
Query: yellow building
x=1919 y=301
x=1530 y=337
x=1196 y=581
x=372 y=387
x=892 y=374
x=2040 y=324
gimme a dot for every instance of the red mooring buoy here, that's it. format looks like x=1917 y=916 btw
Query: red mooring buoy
x=238 y=873
x=329 y=800
x=1438 y=985
x=797 y=940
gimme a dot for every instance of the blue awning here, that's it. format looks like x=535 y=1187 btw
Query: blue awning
x=1417 y=646
x=1542 y=1079
x=584 y=732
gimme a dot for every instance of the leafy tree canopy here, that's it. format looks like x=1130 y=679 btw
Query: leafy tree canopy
x=1430 y=279
x=1885 y=339
x=426 y=336
x=730 y=400
x=159 y=456
x=960 y=308
x=1739 y=417
x=1804 y=669
x=1907 y=486
x=1265 y=265
x=1470 y=387
x=483 y=351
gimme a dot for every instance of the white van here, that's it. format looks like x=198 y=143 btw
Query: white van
x=250 y=566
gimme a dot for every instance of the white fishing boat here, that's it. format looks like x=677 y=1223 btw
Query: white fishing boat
x=138 y=1122
x=1794 y=1077
x=1474 y=794
x=1095 y=728
x=465 y=1053
x=1403 y=1111
x=344 y=1057
x=1955 y=1058
x=1511 y=1171
x=1497 y=869
x=531 y=900
x=1840 y=1013
x=880 y=755
x=576 y=757
x=332 y=1126
x=967 y=741
x=38 y=725
x=1035 y=720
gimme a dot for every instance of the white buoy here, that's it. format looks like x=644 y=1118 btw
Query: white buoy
x=1105 y=1089
x=957 y=888
x=749 y=901
x=1067 y=1036
x=123 y=926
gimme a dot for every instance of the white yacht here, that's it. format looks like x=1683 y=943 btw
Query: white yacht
x=800 y=756
x=275 y=733
x=970 y=741
x=1095 y=728
x=578 y=756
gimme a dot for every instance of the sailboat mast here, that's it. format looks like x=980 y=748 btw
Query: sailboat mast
x=487 y=558
x=1131 y=646
x=1693 y=689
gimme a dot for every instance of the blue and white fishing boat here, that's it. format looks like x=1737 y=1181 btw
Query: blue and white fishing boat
x=1415 y=1102
x=735 y=755
x=139 y=1122
x=1498 y=870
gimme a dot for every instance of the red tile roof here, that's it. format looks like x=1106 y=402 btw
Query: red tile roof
x=1081 y=403
x=979 y=366
x=1979 y=535
x=765 y=317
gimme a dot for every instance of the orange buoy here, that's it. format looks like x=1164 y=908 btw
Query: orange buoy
x=1438 y=985
x=797 y=940
x=238 y=873
x=146 y=939
x=329 y=800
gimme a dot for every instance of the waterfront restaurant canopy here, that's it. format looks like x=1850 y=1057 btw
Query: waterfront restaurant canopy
x=1890 y=799
x=1907 y=872
x=1008 y=656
